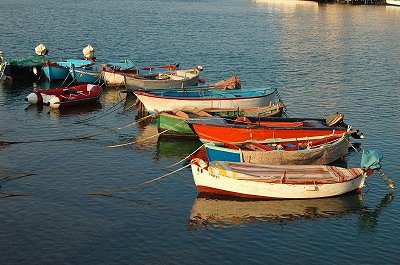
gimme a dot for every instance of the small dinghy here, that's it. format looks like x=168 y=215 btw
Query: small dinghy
x=66 y=96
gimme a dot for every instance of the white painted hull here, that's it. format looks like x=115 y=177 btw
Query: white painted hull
x=219 y=184
x=113 y=79
x=169 y=104
x=176 y=79
x=393 y=2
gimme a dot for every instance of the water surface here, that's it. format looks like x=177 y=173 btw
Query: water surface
x=322 y=58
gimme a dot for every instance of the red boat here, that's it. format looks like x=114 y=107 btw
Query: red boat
x=66 y=96
x=242 y=129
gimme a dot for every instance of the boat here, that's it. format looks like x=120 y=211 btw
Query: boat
x=256 y=181
x=174 y=79
x=90 y=74
x=393 y=2
x=231 y=83
x=188 y=100
x=66 y=96
x=29 y=67
x=241 y=129
x=60 y=70
x=174 y=122
x=318 y=151
x=113 y=74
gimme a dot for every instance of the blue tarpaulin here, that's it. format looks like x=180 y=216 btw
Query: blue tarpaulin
x=371 y=158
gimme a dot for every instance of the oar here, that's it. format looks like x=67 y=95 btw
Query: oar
x=389 y=183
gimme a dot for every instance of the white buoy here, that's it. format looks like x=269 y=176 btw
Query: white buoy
x=32 y=98
x=54 y=102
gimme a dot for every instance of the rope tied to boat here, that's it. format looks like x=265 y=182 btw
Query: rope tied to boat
x=132 y=186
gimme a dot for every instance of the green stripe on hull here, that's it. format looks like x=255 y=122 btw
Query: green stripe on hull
x=173 y=126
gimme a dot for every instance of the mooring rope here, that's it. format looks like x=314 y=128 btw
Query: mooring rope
x=83 y=137
x=141 y=140
x=130 y=186
x=185 y=157
x=109 y=111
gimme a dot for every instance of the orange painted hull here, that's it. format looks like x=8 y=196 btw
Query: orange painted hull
x=239 y=134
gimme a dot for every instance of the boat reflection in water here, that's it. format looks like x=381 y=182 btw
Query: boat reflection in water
x=167 y=146
x=113 y=96
x=76 y=110
x=147 y=132
x=176 y=146
x=210 y=212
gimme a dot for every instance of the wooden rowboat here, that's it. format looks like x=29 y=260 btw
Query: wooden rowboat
x=174 y=79
x=188 y=100
x=28 y=67
x=239 y=130
x=60 y=70
x=317 y=151
x=393 y=2
x=114 y=74
x=174 y=122
x=281 y=181
x=66 y=96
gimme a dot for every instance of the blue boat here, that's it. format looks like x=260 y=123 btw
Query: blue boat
x=60 y=70
x=120 y=65
x=90 y=74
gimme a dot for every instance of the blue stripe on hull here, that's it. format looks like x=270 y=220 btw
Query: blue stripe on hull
x=55 y=73
x=214 y=154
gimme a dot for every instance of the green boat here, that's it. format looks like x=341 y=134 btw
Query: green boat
x=173 y=123
x=28 y=67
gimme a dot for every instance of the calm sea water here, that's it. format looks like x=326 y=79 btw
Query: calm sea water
x=322 y=58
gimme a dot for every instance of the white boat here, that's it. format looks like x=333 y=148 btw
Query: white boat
x=114 y=73
x=173 y=79
x=189 y=100
x=280 y=181
x=393 y=2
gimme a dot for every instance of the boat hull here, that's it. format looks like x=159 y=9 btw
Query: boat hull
x=29 y=67
x=22 y=71
x=89 y=75
x=221 y=131
x=66 y=97
x=393 y=2
x=151 y=81
x=55 y=72
x=116 y=77
x=173 y=125
x=222 y=184
x=160 y=103
x=113 y=78
x=322 y=155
